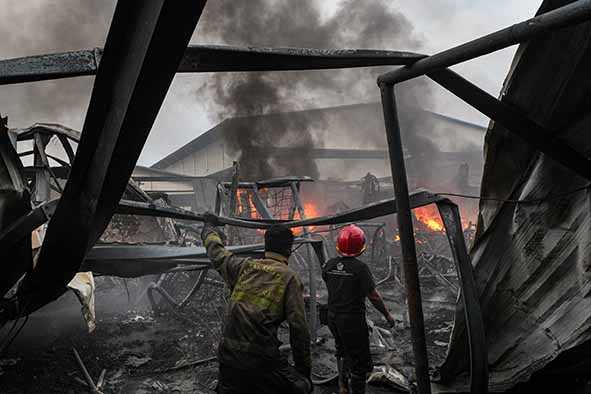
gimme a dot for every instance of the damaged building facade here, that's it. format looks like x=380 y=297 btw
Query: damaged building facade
x=349 y=143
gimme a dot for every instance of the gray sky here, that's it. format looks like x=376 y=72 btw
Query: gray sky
x=40 y=26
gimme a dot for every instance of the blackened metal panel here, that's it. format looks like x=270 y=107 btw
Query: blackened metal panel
x=532 y=258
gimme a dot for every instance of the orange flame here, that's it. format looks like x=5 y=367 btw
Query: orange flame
x=247 y=209
x=310 y=211
x=429 y=216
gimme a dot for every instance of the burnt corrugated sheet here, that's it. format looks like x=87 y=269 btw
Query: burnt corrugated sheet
x=532 y=259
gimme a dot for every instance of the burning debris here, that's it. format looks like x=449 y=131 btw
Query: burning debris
x=429 y=217
x=519 y=311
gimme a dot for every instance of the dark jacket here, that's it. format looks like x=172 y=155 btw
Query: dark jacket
x=264 y=294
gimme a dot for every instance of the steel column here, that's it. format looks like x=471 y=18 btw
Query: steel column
x=407 y=240
x=41 y=167
x=295 y=191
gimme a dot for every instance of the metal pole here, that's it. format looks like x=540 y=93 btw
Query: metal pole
x=569 y=15
x=233 y=232
x=205 y=58
x=407 y=240
x=42 y=191
x=295 y=190
x=475 y=330
x=89 y=381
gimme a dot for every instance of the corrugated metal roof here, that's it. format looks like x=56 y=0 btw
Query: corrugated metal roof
x=532 y=261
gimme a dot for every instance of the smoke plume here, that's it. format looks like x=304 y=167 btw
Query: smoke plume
x=283 y=23
x=37 y=27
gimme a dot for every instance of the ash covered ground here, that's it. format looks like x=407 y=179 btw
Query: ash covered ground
x=143 y=351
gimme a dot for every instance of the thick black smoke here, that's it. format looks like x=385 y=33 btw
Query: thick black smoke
x=284 y=23
x=39 y=27
x=36 y=27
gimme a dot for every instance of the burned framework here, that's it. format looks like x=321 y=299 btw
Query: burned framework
x=121 y=135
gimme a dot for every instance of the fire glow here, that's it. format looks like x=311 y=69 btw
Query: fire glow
x=245 y=205
x=310 y=211
x=246 y=208
x=429 y=216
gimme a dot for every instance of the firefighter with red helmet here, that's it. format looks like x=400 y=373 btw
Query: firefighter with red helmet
x=349 y=282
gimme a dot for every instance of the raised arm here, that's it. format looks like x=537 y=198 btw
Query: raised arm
x=299 y=334
x=223 y=261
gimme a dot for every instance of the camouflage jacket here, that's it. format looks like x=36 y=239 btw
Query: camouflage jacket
x=264 y=294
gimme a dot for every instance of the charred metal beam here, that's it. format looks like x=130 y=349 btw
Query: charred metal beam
x=569 y=15
x=208 y=58
x=368 y=212
x=205 y=58
x=57 y=172
x=41 y=162
x=407 y=239
x=138 y=260
x=158 y=252
x=475 y=330
x=24 y=225
x=47 y=128
x=514 y=121
x=144 y=47
x=219 y=196
x=233 y=191
x=50 y=66
x=44 y=212
x=260 y=206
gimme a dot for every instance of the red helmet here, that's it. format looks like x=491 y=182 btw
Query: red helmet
x=351 y=241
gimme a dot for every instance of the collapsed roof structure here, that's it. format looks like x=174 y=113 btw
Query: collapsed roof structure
x=521 y=309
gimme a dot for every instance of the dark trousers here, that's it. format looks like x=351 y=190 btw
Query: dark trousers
x=282 y=379
x=351 y=337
